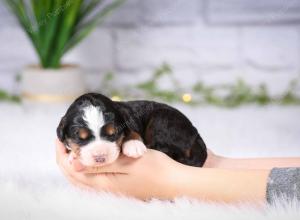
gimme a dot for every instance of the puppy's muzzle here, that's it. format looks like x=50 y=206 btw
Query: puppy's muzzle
x=100 y=158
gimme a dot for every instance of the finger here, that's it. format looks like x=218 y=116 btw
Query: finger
x=61 y=151
x=63 y=163
x=101 y=182
x=108 y=179
x=78 y=166
x=74 y=181
x=61 y=154
x=76 y=178
x=60 y=146
x=70 y=171
x=88 y=184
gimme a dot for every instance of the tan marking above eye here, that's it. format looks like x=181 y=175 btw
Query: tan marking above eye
x=110 y=129
x=83 y=133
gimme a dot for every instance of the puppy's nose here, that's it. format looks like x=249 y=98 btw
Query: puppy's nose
x=99 y=158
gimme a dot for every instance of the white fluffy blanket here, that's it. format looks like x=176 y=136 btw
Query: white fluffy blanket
x=32 y=187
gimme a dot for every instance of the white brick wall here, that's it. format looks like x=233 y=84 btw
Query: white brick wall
x=253 y=12
x=195 y=47
x=170 y=11
x=16 y=49
x=128 y=15
x=201 y=39
x=95 y=52
x=271 y=48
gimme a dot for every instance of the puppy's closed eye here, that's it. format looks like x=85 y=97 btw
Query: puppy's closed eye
x=110 y=129
x=83 y=133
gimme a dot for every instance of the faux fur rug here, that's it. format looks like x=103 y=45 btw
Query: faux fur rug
x=63 y=202
x=32 y=187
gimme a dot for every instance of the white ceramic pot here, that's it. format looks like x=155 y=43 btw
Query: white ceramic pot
x=52 y=85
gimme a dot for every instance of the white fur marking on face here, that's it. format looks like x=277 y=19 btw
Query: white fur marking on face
x=134 y=148
x=109 y=150
x=94 y=118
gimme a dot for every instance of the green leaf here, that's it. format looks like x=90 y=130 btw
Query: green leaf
x=4 y=96
x=164 y=69
x=87 y=8
x=18 y=8
x=55 y=26
x=49 y=39
x=109 y=76
x=65 y=30
x=84 y=29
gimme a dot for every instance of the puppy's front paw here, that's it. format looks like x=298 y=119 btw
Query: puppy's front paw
x=134 y=148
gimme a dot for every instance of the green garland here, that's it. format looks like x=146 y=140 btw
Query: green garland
x=5 y=96
x=225 y=95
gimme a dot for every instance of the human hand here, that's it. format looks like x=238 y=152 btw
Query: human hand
x=152 y=175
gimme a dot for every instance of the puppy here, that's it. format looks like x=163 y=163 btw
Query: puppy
x=96 y=130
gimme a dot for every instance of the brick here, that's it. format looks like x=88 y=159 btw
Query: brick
x=277 y=83
x=248 y=11
x=180 y=46
x=128 y=14
x=7 y=19
x=94 y=52
x=271 y=48
x=169 y=11
x=8 y=80
x=16 y=49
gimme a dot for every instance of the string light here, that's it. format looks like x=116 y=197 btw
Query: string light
x=186 y=97
x=116 y=98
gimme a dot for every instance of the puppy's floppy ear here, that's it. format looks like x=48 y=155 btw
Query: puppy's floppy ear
x=60 y=131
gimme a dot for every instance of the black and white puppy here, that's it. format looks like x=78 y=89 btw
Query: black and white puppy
x=96 y=129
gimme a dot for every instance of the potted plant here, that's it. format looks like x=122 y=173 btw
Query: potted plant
x=54 y=27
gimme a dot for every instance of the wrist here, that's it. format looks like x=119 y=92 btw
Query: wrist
x=214 y=161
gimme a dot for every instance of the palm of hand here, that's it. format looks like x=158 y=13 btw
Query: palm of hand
x=144 y=178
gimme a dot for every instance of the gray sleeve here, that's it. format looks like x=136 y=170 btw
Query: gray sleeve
x=283 y=183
